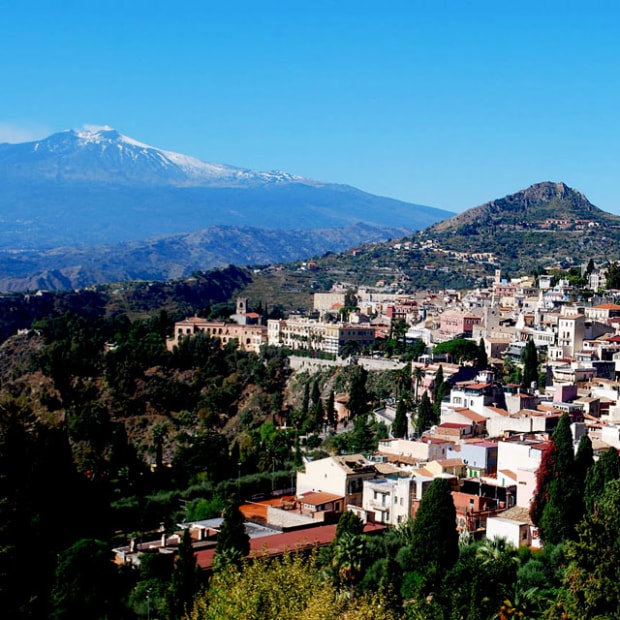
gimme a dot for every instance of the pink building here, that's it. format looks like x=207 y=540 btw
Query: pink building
x=456 y=323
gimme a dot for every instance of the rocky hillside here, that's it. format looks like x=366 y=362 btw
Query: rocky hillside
x=545 y=225
x=539 y=207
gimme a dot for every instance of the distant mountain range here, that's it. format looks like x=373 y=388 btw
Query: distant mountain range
x=69 y=200
x=94 y=206
x=98 y=186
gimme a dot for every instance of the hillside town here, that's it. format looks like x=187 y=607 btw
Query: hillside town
x=386 y=442
x=491 y=434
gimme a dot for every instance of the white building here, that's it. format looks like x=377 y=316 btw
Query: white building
x=515 y=526
x=340 y=475
x=304 y=333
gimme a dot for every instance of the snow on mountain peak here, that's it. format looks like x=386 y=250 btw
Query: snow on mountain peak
x=131 y=159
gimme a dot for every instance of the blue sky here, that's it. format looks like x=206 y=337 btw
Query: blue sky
x=443 y=103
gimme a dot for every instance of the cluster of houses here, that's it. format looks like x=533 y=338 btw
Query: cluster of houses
x=491 y=436
x=488 y=444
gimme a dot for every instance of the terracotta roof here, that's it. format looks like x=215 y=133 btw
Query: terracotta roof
x=484 y=443
x=510 y=474
x=499 y=411
x=471 y=415
x=517 y=513
x=318 y=498
x=277 y=544
x=452 y=463
x=424 y=472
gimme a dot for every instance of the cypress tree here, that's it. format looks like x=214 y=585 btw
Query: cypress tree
x=435 y=544
x=331 y=410
x=185 y=576
x=425 y=414
x=305 y=403
x=358 y=397
x=482 y=359
x=399 y=426
x=232 y=540
x=317 y=406
x=530 y=365
x=316 y=394
x=606 y=469
x=584 y=459
x=560 y=494
x=438 y=387
x=440 y=390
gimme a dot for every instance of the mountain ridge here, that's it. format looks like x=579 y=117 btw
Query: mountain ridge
x=535 y=204
x=93 y=187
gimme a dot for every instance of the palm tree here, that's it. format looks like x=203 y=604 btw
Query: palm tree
x=348 y=557
x=498 y=560
x=496 y=553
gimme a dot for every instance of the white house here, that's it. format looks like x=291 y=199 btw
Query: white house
x=340 y=475
x=514 y=525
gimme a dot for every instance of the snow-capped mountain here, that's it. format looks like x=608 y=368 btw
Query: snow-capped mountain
x=96 y=186
x=103 y=154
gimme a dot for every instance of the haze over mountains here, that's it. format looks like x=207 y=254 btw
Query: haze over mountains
x=91 y=206
x=98 y=186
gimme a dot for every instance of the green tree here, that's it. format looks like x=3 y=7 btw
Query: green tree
x=604 y=471
x=529 y=357
x=425 y=417
x=482 y=359
x=348 y=558
x=440 y=390
x=87 y=583
x=358 y=396
x=584 y=460
x=288 y=588
x=591 y=586
x=417 y=375
x=498 y=562
x=159 y=432
x=350 y=523
x=233 y=542
x=331 y=410
x=184 y=583
x=613 y=276
x=305 y=402
x=317 y=407
x=398 y=330
x=556 y=504
x=435 y=546
x=459 y=349
x=399 y=426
